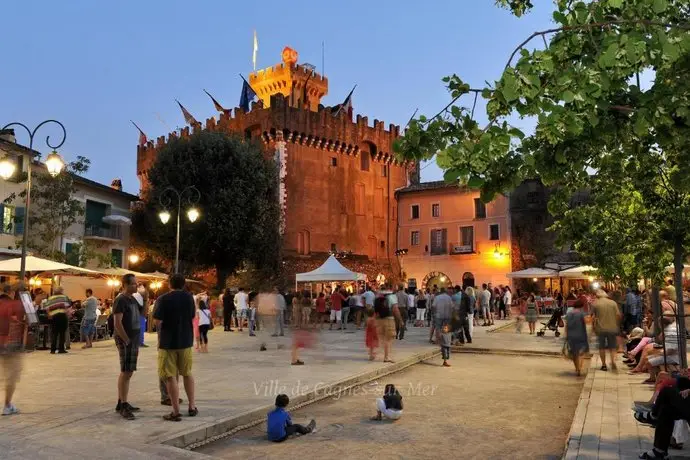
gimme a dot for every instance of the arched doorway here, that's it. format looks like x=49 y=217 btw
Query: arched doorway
x=436 y=279
x=467 y=280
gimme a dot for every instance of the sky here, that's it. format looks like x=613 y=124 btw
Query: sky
x=96 y=65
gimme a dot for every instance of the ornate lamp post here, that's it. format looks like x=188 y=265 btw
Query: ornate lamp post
x=189 y=194
x=54 y=163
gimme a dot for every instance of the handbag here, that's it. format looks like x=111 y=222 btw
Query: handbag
x=560 y=322
x=565 y=351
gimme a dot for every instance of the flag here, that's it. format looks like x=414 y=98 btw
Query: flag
x=215 y=103
x=256 y=48
x=345 y=106
x=188 y=118
x=247 y=96
x=142 y=137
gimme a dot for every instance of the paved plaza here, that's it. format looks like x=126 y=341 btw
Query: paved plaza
x=484 y=407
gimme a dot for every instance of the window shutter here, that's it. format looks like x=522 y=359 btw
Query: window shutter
x=444 y=240
x=19 y=220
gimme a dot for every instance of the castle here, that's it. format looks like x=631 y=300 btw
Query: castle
x=338 y=176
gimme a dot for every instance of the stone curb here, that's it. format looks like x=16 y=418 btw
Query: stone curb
x=572 y=442
x=256 y=416
x=505 y=351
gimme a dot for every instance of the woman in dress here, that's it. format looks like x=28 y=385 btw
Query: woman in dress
x=203 y=318
x=576 y=335
x=531 y=313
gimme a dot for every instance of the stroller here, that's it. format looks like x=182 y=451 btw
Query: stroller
x=553 y=324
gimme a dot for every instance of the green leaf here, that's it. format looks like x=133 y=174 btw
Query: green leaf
x=516 y=133
x=560 y=157
x=641 y=126
x=568 y=96
x=451 y=175
x=615 y=3
x=475 y=182
x=560 y=17
x=659 y=6
x=509 y=88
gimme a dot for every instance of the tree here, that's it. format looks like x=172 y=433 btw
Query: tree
x=53 y=208
x=240 y=212
x=598 y=124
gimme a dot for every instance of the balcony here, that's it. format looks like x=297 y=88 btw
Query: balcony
x=459 y=248
x=103 y=233
x=438 y=250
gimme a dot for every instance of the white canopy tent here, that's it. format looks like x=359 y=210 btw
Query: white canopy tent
x=579 y=272
x=330 y=270
x=38 y=265
x=119 y=272
x=533 y=272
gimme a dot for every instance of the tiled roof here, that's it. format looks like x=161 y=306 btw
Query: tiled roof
x=435 y=185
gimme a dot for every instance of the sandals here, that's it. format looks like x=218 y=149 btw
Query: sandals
x=193 y=412
x=171 y=417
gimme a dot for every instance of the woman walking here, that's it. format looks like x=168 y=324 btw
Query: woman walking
x=296 y=317
x=576 y=335
x=421 y=309
x=306 y=308
x=531 y=313
x=203 y=317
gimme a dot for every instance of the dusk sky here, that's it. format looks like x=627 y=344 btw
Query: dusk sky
x=94 y=65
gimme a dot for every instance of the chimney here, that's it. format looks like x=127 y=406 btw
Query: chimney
x=8 y=135
x=116 y=184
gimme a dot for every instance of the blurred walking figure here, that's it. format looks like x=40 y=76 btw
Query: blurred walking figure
x=267 y=312
x=88 y=322
x=12 y=324
x=280 y=312
x=296 y=317
x=229 y=310
x=305 y=308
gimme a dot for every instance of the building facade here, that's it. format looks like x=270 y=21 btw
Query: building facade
x=338 y=175
x=104 y=226
x=451 y=237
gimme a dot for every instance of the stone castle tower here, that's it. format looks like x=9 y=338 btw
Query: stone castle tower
x=338 y=175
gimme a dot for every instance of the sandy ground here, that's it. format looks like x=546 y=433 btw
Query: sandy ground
x=485 y=406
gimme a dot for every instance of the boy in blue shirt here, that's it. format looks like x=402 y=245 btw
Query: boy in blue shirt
x=279 y=424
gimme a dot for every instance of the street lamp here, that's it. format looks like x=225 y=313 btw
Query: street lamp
x=133 y=259
x=54 y=163
x=189 y=194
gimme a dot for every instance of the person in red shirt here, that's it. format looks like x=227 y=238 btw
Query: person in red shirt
x=337 y=299
x=11 y=336
x=321 y=309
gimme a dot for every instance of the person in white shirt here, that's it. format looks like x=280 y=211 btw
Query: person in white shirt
x=241 y=302
x=359 y=307
x=507 y=301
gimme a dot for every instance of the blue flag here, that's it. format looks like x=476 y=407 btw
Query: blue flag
x=247 y=95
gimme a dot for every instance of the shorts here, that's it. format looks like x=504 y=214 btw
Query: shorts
x=658 y=360
x=11 y=365
x=88 y=327
x=440 y=322
x=608 y=340
x=129 y=354
x=242 y=313
x=172 y=363
x=386 y=328
x=336 y=315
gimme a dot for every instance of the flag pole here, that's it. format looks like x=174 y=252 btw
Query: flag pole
x=323 y=58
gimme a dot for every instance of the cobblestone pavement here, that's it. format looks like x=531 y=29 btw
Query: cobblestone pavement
x=484 y=406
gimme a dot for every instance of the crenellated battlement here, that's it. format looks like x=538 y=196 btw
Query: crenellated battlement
x=319 y=129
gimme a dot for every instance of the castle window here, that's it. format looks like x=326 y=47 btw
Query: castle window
x=384 y=170
x=378 y=202
x=364 y=161
x=334 y=161
x=360 y=197
x=333 y=248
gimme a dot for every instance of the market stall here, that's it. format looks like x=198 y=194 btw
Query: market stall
x=330 y=271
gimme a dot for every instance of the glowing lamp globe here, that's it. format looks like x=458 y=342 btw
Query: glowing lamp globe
x=164 y=216
x=133 y=258
x=54 y=163
x=193 y=215
x=7 y=168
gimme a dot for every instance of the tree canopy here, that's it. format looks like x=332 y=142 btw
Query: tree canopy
x=609 y=92
x=238 y=204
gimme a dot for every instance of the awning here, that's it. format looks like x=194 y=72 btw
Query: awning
x=579 y=272
x=331 y=270
x=117 y=219
x=534 y=272
x=38 y=265
x=119 y=272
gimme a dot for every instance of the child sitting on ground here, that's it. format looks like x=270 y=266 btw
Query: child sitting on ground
x=390 y=406
x=446 y=338
x=279 y=424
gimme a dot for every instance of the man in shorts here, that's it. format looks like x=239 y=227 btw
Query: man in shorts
x=606 y=319
x=173 y=314
x=127 y=330
x=12 y=325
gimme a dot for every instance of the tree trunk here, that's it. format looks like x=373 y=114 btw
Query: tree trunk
x=222 y=275
x=656 y=309
x=678 y=262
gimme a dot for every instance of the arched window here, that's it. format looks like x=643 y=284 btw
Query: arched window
x=303 y=242
x=364 y=160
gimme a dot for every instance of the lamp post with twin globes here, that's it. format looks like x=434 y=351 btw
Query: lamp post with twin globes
x=54 y=164
x=189 y=194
